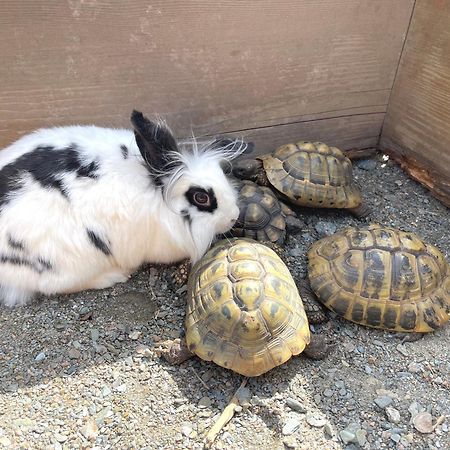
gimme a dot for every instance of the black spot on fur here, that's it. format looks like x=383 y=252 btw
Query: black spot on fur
x=190 y=194
x=39 y=266
x=46 y=165
x=89 y=171
x=124 y=150
x=98 y=242
x=14 y=244
x=45 y=265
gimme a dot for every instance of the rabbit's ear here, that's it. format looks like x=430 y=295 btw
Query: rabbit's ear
x=155 y=141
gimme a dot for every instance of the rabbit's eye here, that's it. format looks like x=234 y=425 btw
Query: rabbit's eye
x=201 y=198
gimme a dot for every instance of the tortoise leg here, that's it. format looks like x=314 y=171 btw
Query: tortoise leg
x=180 y=274
x=174 y=351
x=318 y=348
x=314 y=310
x=293 y=223
x=362 y=211
x=409 y=337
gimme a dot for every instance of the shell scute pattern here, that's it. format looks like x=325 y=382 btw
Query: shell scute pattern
x=261 y=215
x=255 y=320
x=313 y=174
x=382 y=277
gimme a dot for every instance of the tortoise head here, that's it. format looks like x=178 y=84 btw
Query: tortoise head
x=248 y=169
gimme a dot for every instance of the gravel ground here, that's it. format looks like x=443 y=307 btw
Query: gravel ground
x=79 y=371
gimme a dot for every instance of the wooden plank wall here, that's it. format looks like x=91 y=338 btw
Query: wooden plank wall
x=417 y=127
x=270 y=70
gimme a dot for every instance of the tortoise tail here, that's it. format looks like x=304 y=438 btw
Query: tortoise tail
x=362 y=211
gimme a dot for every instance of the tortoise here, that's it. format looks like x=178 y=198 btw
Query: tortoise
x=262 y=216
x=381 y=277
x=244 y=311
x=310 y=174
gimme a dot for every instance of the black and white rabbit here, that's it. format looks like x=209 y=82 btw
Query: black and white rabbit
x=82 y=207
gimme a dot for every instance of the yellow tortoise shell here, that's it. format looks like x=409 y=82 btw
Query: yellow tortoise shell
x=381 y=277
x=244 y=310
x=313 y=174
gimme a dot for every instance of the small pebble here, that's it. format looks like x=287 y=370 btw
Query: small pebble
x=383 y=401
x=361 y=436
x=328 y=430
x=392 y=414
x=95 y=334
x=290 y=426
x=84 y=310
x=134 y=336
x=423 y=422
x=290 y=442
x=40 y=357
x=106 y=391
x=395 y=437
x=186 y=430
x=90 y=430
x=295 y=405
x=347 y=436
x=60 y=325
x=414 y=409
x=402 y=349
x=328 y=393
x=73 y=353
x=60 y=437
x=315 y=420
x=204 y=402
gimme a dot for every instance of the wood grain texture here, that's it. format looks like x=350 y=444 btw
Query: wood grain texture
x=206 y=66
x=417 y=126
x=358 y=133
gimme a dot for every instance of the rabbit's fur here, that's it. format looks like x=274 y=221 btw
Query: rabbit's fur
x=82 y=207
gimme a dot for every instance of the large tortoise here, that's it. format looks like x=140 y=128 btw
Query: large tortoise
x=381 y=277
x=244 y=311
x=262 y=216
x=310 y=174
